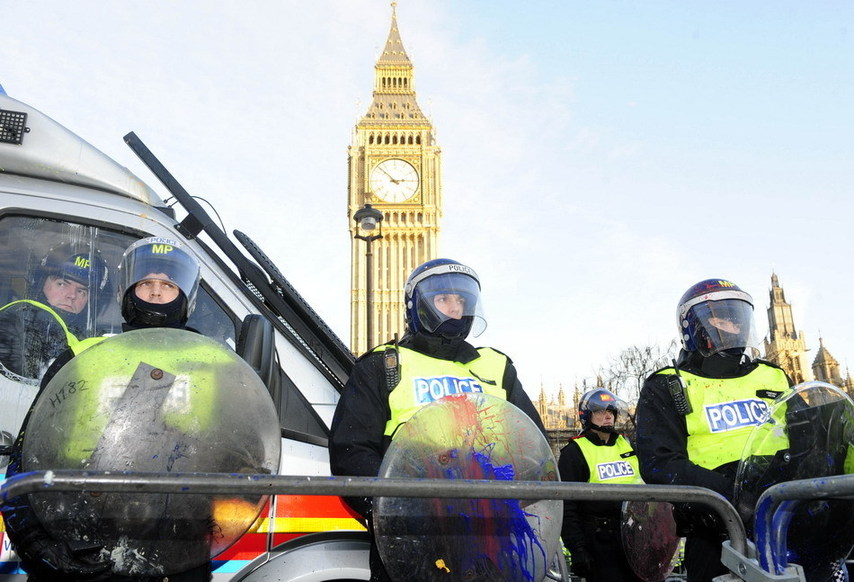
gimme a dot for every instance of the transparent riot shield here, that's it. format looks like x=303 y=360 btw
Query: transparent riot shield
x=809 y=432
x=648 y=531
x=469 y=436
x=159 y=400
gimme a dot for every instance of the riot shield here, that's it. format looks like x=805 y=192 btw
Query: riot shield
x=157 y=400
x=648 y=531
x=468 y=436
x=808 y=433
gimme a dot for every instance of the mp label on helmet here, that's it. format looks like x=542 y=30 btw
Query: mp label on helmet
x=433 y=389
x=733 y=415
x=81 y=261
x=161 y=249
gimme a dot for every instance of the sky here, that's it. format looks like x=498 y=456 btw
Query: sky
x=599 y=158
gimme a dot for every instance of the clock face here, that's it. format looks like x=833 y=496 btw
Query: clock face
x=394 y=180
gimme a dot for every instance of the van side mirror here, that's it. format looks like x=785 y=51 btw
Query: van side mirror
x=256 y=344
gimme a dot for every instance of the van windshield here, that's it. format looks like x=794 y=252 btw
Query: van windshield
x=58 y=286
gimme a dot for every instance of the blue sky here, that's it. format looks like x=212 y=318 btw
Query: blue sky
x=598 y=158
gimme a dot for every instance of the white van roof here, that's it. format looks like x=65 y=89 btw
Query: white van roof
x=32 y=144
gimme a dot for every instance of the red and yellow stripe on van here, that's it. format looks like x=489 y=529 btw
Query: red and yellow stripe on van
x=296 y=515
x=292 y=516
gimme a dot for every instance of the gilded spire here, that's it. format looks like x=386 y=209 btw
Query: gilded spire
x=394 y=88
x=394 y=53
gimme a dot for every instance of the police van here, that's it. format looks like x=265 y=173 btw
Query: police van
x=58 y=192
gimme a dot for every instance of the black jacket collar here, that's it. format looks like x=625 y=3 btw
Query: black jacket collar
x=715 y=366
x=455 y=350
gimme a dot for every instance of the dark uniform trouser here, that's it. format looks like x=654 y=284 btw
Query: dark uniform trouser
x=378 y=571
x=606 y=552
x=703 y=558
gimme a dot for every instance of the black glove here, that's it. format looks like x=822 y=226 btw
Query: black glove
x=48 y=557
x=582 y=565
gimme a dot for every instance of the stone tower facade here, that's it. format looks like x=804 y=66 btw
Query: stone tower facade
x=827 y=369
x=394 y=164
x=784 y=345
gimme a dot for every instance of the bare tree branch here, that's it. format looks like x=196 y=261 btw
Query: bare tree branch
x=624 y=374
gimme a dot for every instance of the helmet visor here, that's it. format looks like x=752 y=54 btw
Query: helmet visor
x=159 y=259
x=449 y=296
x=604 y=400
x=724 y=325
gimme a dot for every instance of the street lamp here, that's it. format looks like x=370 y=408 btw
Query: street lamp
x=369 y=219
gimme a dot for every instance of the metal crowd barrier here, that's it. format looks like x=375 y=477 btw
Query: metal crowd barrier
x=738 y=554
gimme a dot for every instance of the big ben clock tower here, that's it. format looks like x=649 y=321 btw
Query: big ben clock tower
x=395 y=166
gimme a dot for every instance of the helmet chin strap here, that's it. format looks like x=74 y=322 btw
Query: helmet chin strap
x=609 y=429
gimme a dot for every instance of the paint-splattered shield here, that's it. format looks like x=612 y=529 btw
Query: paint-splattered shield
x=808 y=433
x=165 y=401
x=649 y=537
x=470 y=436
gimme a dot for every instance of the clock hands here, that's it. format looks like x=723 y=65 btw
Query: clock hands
x=390 y=177
x=394 y=180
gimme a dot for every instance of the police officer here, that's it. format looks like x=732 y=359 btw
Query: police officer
x=694 y=418
x=387 y=385
x=591 y=530
x=70 y=284
x=158 y=284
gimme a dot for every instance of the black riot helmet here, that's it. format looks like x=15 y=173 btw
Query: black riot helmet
x=716 y=317
x=81 y=264
x=161 y=259
x=599 y=399
x=436 y=283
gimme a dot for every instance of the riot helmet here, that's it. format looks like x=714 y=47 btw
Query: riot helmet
x=162 y=261
x=75 y=263
x=716 y=317
x=443 y=299
x=599 y=399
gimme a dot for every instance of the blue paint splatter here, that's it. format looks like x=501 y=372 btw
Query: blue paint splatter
x=502 y=521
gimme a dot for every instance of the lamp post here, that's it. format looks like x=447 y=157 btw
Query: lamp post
x=369 y=219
